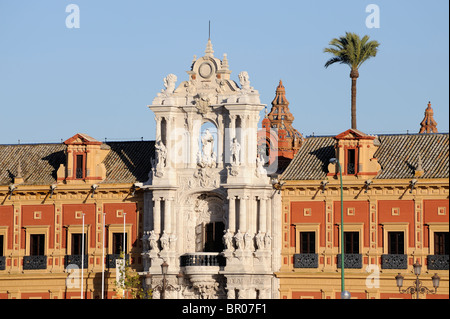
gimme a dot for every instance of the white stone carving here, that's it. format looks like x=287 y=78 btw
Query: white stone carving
x=153 y=241
x=207 y=156
x=235 y=152
x=169 y=83
x=165 y=244
x=228 y=240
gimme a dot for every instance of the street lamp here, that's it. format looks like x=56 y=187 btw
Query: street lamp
x=164 y=284
x=344 y=294
x=164 y=268
x=417 y=288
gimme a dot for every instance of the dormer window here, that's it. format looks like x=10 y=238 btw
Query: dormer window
x=355 y=152
x=351 y=161
x=79 y=166
x=84 y=162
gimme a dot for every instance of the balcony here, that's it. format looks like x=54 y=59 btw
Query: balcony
x=437 y=262
x=393 y=261
x=111 y=259
x=34 y=262
x=351 y=261
x=2 y=262
x=306 y=261
x=75 y=260
x=202 y=259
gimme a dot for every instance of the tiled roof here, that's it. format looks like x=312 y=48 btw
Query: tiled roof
x=311 y=161
x=127 y=162
x=397 y=154
x=39 y=162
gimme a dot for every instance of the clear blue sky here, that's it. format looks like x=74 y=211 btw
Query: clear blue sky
x=98 y=79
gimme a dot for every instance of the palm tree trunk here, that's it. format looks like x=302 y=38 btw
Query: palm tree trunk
x=354 y=74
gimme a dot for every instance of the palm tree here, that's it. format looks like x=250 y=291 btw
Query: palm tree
x=353 y=51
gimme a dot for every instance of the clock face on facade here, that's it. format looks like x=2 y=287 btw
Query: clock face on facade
x=205 y=70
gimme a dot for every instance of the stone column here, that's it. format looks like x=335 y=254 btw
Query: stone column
x=269 y=217
x=243 y=214
x=157 y=215
x=262 y=214
x=232 y=214
x=232 y=127
x=158 y=128
x=167 y=215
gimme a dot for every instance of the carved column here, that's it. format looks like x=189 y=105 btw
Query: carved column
x=157 y=215
x=232 y=214
x=168 y=215
x=262 y=214
x=158 y=128
x=232 y=127
x=269 y=217
x=243 y=214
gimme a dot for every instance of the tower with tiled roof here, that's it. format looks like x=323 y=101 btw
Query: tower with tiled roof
x=428 y=124
x=282 y=140
x=281 y=119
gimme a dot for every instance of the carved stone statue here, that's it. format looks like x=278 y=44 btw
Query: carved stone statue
x=267 y=241
x=172 y=241
x=228 y=240
x=244 y=81
x=235 y=152
x=208 y=155
x=153 y=241
x=161 y=154
x=239 y=239
x=259 y=240
x=260 y=170
x=165 y=241
x=169 y=83
x=248 y=241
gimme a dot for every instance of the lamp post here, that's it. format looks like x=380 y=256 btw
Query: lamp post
x=344 y=294
x=164 y=268
x=164 y=285
x=417 y=288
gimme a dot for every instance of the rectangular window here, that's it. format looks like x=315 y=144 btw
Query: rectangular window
x=441 y=243
x=79 y=166
x=307 y=242
x=396 y=243
x=77 y=244
x=213 y=237
x=37 y=245
x=351 y=242
x=118 y=243
x=351 y=161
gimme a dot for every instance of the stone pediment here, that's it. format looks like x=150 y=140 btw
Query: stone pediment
x=82 y=139
x=353 y=134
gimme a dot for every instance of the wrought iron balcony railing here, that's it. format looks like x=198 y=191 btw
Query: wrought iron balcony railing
x=306 y=261
x=2 y=262
x=75 y=260
x=35 y=262
x=393 y=261
x=437 y=262
x=203 y=259
x=111 y=259
x=351 y=261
